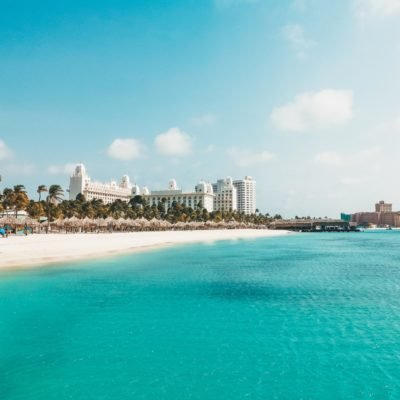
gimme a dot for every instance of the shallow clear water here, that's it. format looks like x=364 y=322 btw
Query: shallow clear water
x=310 y=316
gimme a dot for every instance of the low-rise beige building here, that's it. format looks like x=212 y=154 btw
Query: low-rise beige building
x=383 y=207
x=383 y=216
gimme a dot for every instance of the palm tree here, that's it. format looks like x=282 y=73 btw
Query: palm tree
x=35 y=209
x=41 y=189
x=20 y=198
x=7 y=198
x=56 y=194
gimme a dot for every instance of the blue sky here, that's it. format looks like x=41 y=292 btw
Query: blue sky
x=303 y=95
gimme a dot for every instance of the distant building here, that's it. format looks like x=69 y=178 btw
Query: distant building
x=345 y=217
x=202 y=195
x=365 y=218
x=225 y=195
x=383 y=216
x=246 y=195
x=235 y=195
x=80 y=183
x=383 y=207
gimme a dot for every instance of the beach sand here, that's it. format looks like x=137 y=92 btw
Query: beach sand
x=43 y=249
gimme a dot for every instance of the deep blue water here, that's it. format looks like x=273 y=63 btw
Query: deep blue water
x=309 y=316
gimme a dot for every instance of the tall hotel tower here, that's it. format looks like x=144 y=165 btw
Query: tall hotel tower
x=234 y=195
x=246 y=195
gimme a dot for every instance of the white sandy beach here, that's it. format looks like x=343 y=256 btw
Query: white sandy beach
x=35 y=250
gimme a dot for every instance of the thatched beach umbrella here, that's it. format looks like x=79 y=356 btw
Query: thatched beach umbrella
x=221 y=224
x=56 y=222
x=11 y=221
x=180 y=225
x=111 y=223
x=193 y=225
x=231 y=225
x=211 y=224
x=73 y=223
x=143 y=223
x=60 y=222
x=87 y=223
x=3 y=220
x=131 y=224
x=32 y=223
x=29 y=221
x=154 y=224
x=101 y=223
x=121 y=223
x=165 y=225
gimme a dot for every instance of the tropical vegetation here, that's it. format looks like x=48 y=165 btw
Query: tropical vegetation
x=54 y=206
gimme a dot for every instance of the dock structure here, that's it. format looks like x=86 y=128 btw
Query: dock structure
x=314 y=225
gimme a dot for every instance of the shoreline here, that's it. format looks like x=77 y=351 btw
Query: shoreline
x=47 y=249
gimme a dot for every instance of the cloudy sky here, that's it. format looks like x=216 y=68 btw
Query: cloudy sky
x=304 y=95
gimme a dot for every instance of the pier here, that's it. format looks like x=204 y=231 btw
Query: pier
x=314 y=225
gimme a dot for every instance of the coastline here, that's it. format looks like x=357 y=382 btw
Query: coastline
x=45 y=249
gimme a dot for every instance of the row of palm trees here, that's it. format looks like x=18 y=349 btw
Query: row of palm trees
x=52 y=206
x=17 y=199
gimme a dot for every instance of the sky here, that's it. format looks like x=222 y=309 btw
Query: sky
x=303 y=95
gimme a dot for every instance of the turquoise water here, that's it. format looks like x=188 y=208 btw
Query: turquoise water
x=310 y=316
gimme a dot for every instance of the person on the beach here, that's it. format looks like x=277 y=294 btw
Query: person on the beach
x=3 y=232
x=26 y=230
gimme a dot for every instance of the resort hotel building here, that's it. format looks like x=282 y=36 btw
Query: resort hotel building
x=201 y=195
x=246 y=195
x=237 y=195
x=80 y=183
x=224 y=195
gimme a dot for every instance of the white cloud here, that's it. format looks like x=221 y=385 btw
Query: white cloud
x=174 y=142
x=5 y=152
x=377 y=8
x=66 y=169
x=294 y=34
x=245 y=158
x=338 y=160
x=125 y=149
x=204 y=120
x=314 y=110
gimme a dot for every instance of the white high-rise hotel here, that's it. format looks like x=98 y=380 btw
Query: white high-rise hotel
x=246 y=195
x=225 y=195
x=236 y=195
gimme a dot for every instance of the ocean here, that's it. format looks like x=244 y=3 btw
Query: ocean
x=306 y=316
